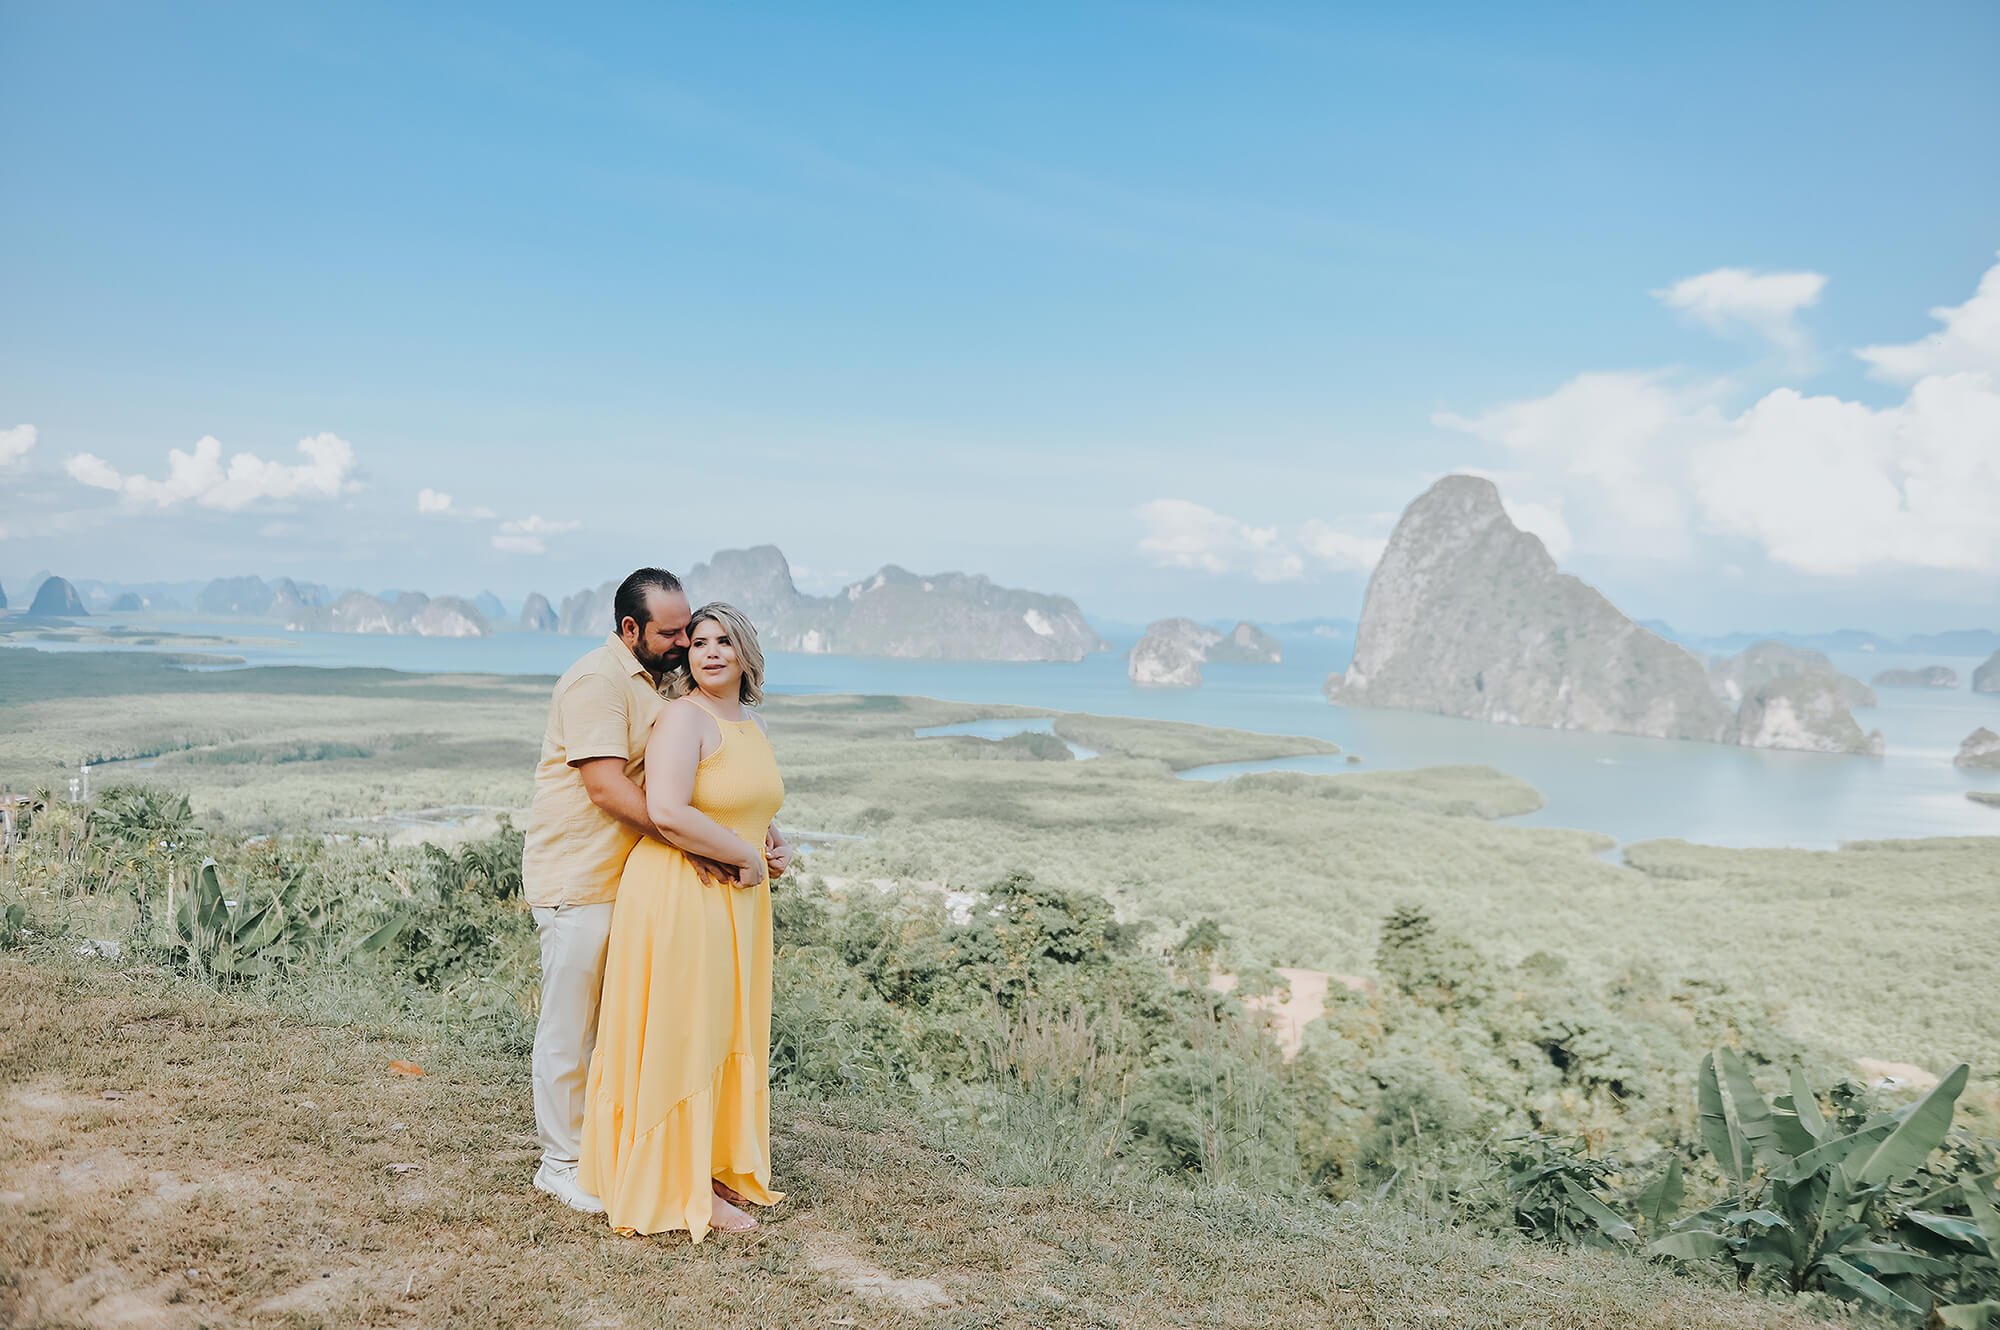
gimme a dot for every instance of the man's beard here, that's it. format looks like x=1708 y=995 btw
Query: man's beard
x=664 y=665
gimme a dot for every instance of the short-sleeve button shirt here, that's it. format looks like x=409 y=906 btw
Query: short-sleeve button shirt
x=603 y=707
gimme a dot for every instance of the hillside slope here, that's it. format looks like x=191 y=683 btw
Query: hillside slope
x=178 y=1159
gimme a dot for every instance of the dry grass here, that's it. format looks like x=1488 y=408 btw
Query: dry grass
x=175 y=1158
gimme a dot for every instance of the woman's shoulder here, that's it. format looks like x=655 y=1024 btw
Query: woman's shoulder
x=685 y=713
x=763 y=725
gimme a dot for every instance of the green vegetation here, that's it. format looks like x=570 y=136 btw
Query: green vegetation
x=1018 y=953
x=184 y=1156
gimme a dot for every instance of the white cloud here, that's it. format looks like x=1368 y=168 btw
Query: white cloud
x=15 y=443
x=1181 y=534
x=1832 y=486
x=436 y=503
x=200 y=477
x=1729 y=299
x=1968 y=343
x=1639 y=461
x=1616 y=441
x=529 y=535
x=1341 y=549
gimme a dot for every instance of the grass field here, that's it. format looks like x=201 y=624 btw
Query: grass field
x=173 y=1158
x=1870 y=951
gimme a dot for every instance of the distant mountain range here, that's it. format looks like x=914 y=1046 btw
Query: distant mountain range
x=940 y=616
x=1959 y=642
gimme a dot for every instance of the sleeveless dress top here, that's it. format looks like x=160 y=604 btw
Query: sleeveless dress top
x=679 y=1087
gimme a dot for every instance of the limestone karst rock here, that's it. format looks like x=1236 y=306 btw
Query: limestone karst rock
x=489 y=605
x=414 y=614
x=1759 y=663
x=944 y=616
x=1171 y=653
x=234 y=595
x=1467 y=615
x=1930 y=676
x=1986 y=679
x=537 y=616
x=587 y=613
x=757 y=581
x=127 y=603
x=1805 y=712
x=3 y=598
x=1247 y=644
x=448 y=616
x=286 y=599
x=1980 y=751
x=55 y=598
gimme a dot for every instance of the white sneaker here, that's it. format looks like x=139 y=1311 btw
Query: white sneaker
x=561 y=1183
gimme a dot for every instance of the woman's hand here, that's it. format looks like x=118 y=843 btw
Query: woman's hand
x=777 y=854
x=750 y=874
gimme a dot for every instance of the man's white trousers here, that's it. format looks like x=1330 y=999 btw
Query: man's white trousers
x=573 y=939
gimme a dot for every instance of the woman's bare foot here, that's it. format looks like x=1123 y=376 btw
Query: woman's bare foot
x=728 y=1193
x=726 y=1218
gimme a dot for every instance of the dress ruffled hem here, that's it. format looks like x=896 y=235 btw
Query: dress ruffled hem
x=661 y=1178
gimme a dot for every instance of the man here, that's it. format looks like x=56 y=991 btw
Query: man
x=589 y=811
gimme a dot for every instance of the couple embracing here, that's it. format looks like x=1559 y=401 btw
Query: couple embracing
x=649 y=857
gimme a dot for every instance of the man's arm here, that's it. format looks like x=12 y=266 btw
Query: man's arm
x=616 y=793
x=619 y=796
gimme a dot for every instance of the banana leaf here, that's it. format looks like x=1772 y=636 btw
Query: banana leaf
x=1717 y=1132
x=1839 y=1148
x=1761 y=1218
x=1969 y=1315
x=390 y=931
x=1942 y=1194
x=1947 y=1226
x=1984 y=1215
x=1694 y=1244
x=1767 y=1251
x=1753 y=1113
x=1807 y=1107
x=1609 y=1222
x=1866 y=1285
x=1661 y=1200
x=1880 y=1258
x=1906 y=1148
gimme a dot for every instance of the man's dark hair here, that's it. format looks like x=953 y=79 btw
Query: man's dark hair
x=631 y=602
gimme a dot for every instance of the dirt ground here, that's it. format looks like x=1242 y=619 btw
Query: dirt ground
x=173 y=1158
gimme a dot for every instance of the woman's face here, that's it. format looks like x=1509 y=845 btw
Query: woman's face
x=712 y=659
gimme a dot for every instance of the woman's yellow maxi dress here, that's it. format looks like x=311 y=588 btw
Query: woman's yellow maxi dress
x=679 y=1083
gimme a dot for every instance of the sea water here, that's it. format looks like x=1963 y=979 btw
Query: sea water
x=1632 y=789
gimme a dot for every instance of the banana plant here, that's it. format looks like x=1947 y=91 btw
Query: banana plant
x=229 y=940
x=1975 y=1243
x=1807 y=1200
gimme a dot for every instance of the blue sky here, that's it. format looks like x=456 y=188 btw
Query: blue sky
x=1169 y=308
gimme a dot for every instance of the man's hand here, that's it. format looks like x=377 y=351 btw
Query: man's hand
x=713 y=872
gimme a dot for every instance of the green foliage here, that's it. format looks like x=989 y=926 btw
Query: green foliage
x=1811 y=1201
x=1553 y=1185
x=1436 y=967
x=222 y=935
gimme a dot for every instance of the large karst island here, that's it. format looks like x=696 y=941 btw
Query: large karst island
x=939 y=616
x=1468 y=615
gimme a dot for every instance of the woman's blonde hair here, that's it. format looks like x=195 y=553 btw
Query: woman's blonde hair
x=743 y=636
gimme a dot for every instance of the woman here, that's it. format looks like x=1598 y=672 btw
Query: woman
x=677 y=1123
